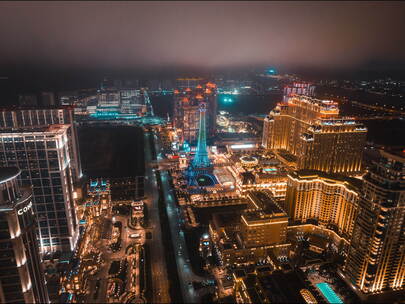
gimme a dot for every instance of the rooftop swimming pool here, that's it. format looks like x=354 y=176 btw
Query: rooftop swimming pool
x=328 y=293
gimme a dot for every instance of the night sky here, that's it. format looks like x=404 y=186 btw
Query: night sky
x=209 y=35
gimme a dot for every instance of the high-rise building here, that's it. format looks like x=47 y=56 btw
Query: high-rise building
x=48 y=99
x=298 y=88
x=21 y=276
x=167 y=84
x=148 y=104
x=30 y=118
x=43 y=157
x=187 y=114
x=329 y=200
x=190 y=82
x=289 y=120
x=376 y=258
x=334 y=146
x=28 y=100
x=132 y=101
x=109 y=101
x=311 y=130
x=154 y=85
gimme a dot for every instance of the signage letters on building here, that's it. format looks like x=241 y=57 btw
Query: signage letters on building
x=24 y=209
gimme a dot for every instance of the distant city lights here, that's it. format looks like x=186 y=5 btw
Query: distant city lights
x=228 y=100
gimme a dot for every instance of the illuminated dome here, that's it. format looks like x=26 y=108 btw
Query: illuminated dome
x=249 y=161
x=222 y=121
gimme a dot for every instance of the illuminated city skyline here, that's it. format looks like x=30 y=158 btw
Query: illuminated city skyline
x=202 y=152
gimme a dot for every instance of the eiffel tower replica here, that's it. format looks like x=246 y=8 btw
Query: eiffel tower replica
x=201 y=164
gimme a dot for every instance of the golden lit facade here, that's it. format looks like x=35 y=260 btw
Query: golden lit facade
x=266 y=225
x=250 y=237
x=376 y=258
x=186 y=110
x=334 y=146
x=276 y=183
x=259 y=229
x=288 y=120
x=331 y=201
x=311 y=130
x=298 y=88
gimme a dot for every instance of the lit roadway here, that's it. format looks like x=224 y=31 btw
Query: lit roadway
x=160 y=288
x=185 y=272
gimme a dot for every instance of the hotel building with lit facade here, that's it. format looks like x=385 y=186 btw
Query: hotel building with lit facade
x=330 y=201
x=188 y=82
x=31 y=118
x=256 y=234
x=22 y=279
x=266 y=224
x=44 y=158
x=376 y=260
x=313 y=132
x=298 y=88
x=187 y=114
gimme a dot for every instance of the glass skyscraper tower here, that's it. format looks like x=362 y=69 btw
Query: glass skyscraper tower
x=42 y=155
